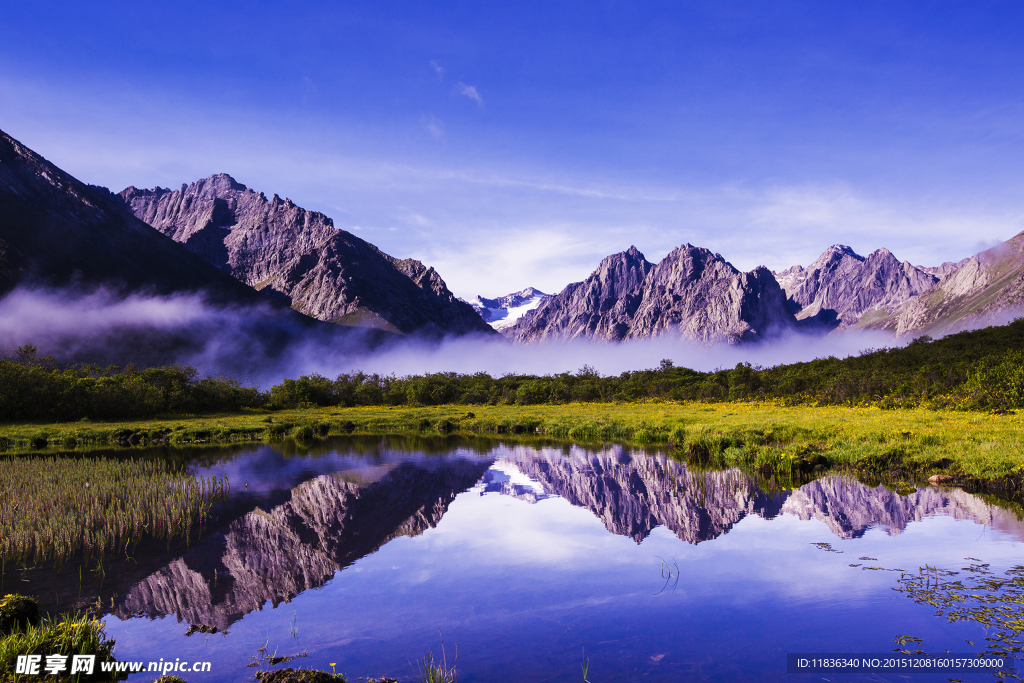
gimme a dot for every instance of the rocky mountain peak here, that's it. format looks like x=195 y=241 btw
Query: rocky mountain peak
x=692 y=292
x=56 y=230
x=620 y=273
x=985 y=288
x=843 y=250
x=324 y=272
x=840 y=287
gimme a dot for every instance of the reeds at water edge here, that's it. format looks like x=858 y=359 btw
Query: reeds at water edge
x=57 y=507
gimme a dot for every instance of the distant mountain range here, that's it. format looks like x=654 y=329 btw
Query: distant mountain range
x=236 y=246
x=987 y=288
x=698 y=296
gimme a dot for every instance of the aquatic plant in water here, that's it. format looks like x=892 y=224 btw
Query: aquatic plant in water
x=980 y=595
x=56 y=507
x=437 y=672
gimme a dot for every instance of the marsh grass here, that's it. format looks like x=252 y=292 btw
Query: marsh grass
x=68 y=634
x=57 y=507
x=431 y=671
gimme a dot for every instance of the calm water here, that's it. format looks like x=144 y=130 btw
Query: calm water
x=366 y=554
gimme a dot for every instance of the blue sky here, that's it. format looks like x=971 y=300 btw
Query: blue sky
x=515 y=144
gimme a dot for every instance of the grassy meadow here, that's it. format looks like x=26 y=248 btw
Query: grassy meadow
x=745 y=434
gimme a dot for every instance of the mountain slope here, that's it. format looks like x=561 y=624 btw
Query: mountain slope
x=505 y=311
x=324 y=272
x=692 y=292
x=602 y=306
x=987 y=286
x=840 y=286
x=57 y=231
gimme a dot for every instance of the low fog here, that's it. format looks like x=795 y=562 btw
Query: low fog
x=259 y=346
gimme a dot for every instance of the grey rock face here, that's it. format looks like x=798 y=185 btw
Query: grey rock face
x=703 y=297
x=324 y=272
x=692 y=293
x=600 y=307
x=841 y=286
x=987 y=288
x=57 y=231
x=947 y=268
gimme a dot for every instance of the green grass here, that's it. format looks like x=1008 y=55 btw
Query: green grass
x=69 y=634
x=105 y=505
x=758 y=435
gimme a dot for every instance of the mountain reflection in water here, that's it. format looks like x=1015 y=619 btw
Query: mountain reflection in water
x=333 y=519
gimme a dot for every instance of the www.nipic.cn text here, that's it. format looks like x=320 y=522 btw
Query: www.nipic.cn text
x=37 y=665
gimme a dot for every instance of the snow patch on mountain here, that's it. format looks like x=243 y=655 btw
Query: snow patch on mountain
x=506 y=310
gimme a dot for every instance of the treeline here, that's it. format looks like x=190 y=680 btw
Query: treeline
x=33 y=388
x=983 y=369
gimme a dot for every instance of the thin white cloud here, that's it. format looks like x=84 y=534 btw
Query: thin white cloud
x=438 y=69
x=434 y=127
x=469 y=91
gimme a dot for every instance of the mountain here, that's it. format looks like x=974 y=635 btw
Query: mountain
x=849 y=508
x=56 y=231
x=271 y=556
x=841 y=286
x=506 y=310
x=692 y=293
x=324 y=272
x=985 y=289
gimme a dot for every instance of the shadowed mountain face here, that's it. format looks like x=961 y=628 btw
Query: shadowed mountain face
x=987 y=288
x=841 y=286
x=328 y=523
x=691 y=293
x=324 y=272
x=56 y=231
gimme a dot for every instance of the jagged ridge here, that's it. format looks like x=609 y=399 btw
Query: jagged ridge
x=840 y=286
x=324 y=272
x=57 y=231
x=692 y=293
x=985 y=287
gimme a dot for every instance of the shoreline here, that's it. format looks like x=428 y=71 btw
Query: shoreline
x=960 y=446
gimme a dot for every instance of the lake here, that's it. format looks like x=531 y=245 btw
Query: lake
x=531 y=562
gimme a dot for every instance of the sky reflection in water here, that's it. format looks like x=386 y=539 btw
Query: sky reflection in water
x=521 y=558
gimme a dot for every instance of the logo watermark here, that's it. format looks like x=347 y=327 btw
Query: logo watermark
x=52 y=665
